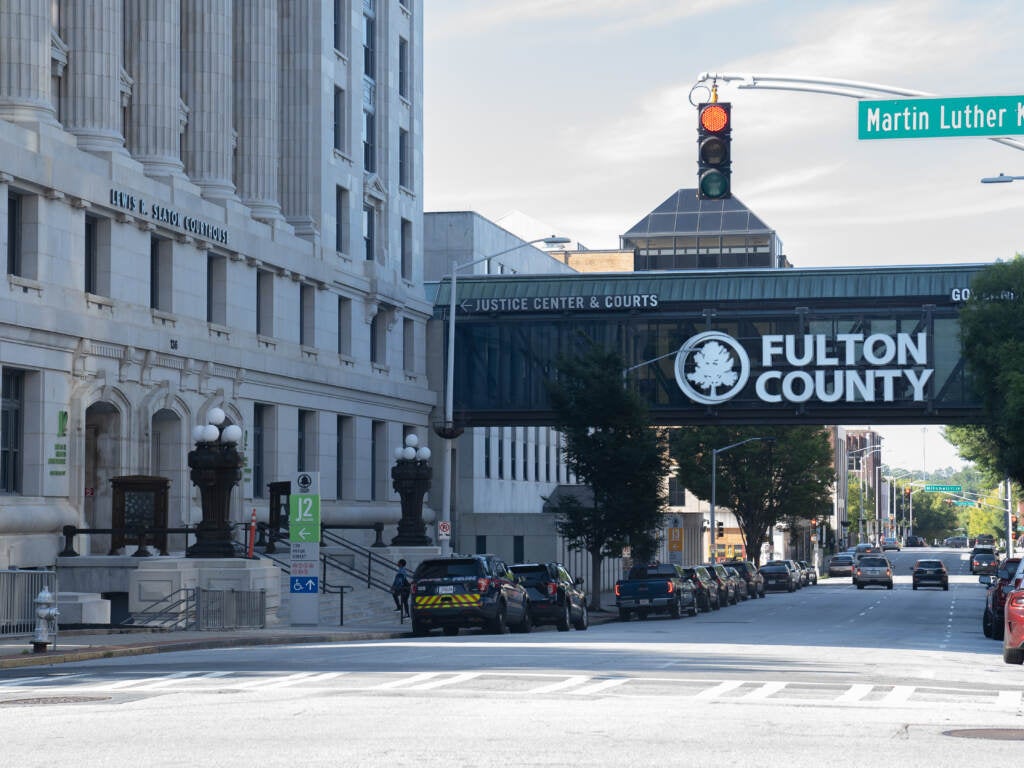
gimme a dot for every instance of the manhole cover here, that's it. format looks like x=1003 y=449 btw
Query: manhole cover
x=52 y=700
x=996 y=734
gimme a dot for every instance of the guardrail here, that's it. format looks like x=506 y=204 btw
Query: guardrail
x=18 y=591
x=140 y=534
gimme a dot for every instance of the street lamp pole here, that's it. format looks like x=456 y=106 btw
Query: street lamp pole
x=1002 y=178
x=450 y=431
x=714 y=486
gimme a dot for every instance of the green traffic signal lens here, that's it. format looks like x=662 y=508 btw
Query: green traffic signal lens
x=714 y=184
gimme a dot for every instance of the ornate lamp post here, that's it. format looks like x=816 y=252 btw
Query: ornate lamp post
x=411 y=478
x=216 y=467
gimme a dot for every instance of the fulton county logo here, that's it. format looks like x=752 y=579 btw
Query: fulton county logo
x=711 y=367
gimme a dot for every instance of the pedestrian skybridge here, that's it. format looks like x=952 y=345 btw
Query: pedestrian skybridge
x=876 y=345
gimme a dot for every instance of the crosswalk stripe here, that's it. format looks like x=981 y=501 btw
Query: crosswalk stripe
x=764 y=691
x=855 y=692
x=899 y=694
x=569 y=682
x=715 y=691
x=1009 y=699
x=460 y=678
x=404 y=681
x=604 y=685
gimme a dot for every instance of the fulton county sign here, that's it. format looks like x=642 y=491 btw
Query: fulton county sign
x=931 y=118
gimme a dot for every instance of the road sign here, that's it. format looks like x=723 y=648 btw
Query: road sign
x=944 y=488
x=304 y=517
x=940 y=118
x=963 y=503
x=444 y=529
x=303 y=585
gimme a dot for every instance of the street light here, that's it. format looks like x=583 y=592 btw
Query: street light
x=1002 y=178
x=448 y=430
x=714 y=485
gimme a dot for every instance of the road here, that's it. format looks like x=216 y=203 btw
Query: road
x=819 y=676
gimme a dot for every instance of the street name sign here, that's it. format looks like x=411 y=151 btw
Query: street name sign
x=941 y=118
x=963 y=503
x=944 y=488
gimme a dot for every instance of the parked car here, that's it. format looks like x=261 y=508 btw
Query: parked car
x=930 y=573
x=810 y=569
x=739 y=583
x=747 y=570
x=468 y=591
x=915 y=541
x=555 y=596
x=872 y=569
x=999 y=586
x=984 y=562
x=779 y=575
x=655 y=588
x=705 y=588
x=1013 y=626
x=726 y=586
x=840 y=565
x=890 y=543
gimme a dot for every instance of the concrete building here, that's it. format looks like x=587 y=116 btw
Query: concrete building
x=207 y=203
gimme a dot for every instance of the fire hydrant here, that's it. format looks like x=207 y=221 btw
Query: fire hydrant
x=46 y=620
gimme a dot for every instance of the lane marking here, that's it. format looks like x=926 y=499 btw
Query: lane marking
x=569 y=682
x=715 y=691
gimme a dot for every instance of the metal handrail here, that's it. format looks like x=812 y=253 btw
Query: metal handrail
x=169 y=615
x=372 y=559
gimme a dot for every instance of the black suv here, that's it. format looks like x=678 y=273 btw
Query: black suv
x=726 y=589
x=468 y=591
x=705 y=587
x=555 y=596
x=748 y=571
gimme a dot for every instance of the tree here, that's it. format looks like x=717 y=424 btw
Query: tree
x=762 y=483
x=611 y=448
x=974 y=444
x=992 y=335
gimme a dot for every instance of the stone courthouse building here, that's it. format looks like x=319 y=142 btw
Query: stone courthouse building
x=207 y=203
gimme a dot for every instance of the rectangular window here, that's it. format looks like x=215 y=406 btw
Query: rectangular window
x=307 y=315
x=344 y=326
x=369 y=47
x=340 y=452
x=404 y=159
x=369 y=232
x=519 y=549
x=525 y=455
x=676 y=493
x=341 y=226
x=501 y=453
x=340 y=119
x=217 y=290
x=160 y=288
x=341 y=17
x=12 y=401
x=514 y=464
x=406 y=245
x=378 y=339
x=264 y=302
x=259 y=413
x=536 y=460
x=403 y=68
x=487 y=452
x=306 y=442
x=91 y=255
x=378 y=440
x=408 y=344
x=14 y=229
x=369 y=141
x=481 y=545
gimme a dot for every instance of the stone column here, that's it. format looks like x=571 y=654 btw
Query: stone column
x=256 y=106
x=206 y=88
x=25 y=62
x=94 y=32
x=300 y=88
x=153 y=59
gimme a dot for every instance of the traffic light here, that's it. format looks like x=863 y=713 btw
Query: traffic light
x=714 y=161
x=906 y=493
x=721 y=529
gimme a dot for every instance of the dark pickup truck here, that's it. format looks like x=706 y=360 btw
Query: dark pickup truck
x=654 y=588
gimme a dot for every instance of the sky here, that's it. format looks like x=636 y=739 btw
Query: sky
x=578 y=113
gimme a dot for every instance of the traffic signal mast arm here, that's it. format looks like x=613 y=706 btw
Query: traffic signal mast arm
x=850 y=88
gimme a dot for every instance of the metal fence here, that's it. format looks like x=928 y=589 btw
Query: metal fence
x=18 y=590
x=231 y=609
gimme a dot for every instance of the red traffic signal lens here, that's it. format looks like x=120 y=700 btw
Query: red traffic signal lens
x=714 y=118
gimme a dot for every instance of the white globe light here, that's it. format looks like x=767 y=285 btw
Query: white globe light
x=399 y=452
x=197 y=433
x=423 y=453
x=231 y=434
x=409 y=453
x=411 y=440
x=215 y=416
x=210 y=433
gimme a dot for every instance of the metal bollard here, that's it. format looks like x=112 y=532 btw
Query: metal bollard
x=46 y=620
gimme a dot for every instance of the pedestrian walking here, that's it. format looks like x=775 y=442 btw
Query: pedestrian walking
x=400 y=588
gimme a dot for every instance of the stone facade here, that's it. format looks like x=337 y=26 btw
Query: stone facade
x=192 y=215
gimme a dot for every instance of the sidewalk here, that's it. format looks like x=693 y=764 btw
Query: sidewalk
x=89 y=644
